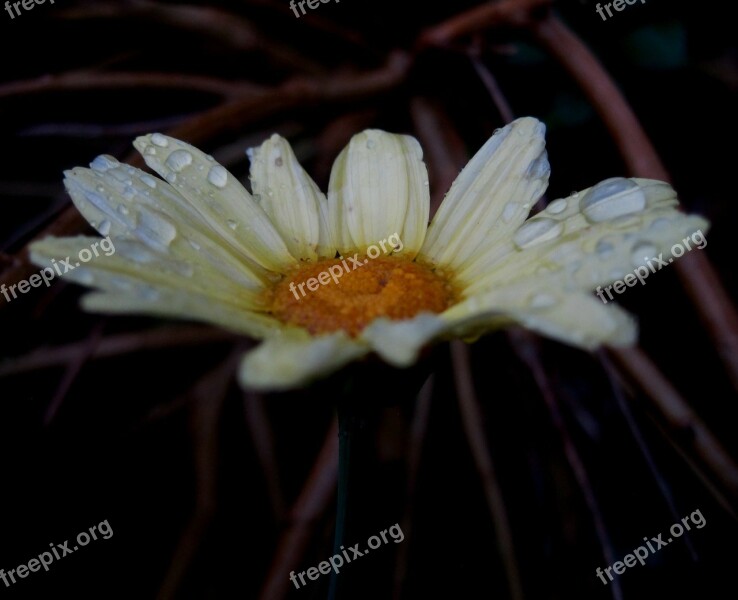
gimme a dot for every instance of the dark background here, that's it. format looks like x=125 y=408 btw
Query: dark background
x=137 y=434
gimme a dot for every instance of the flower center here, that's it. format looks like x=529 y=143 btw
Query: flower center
x=350 y=293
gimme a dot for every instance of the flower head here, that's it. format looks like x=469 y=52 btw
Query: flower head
x=305 y=272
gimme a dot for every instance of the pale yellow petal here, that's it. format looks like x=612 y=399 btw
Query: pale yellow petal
x=592 y=238
x=219 y=198
x=379 y=187
x=290 y=198
x=400 y=342
x=294 y=359
x=491 y=197
x=126 y=203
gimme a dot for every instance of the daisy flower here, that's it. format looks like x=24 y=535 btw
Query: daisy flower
x=197 y=245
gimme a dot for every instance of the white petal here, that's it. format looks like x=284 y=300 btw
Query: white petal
x=492 y=195
x=219 y=199
x=294 y=358
x=379 y=187
x=172 y=303
x=588 y=249
x=126 y=203
x=290 y=197
x=575 y=318
x=400 y=342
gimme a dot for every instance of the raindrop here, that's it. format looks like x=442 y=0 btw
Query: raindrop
x=194 y=244
x=641 y=253
x=104 y=163
x=278 y=161
x=557 y=206
x=611 y=199
x=542 y=300
x=122 y=209
x=148 y=180
x=509 y=211
x=159 y=140
x=536 y=231
x=232 y=224
x=104 y=227
x=163 y=230
x=178 y=160
x=218 y=176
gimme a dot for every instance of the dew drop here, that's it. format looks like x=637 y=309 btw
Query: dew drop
x=604 y=249
x=278 y=161
x=150 y=151
x=536 y=231
x=542 y=300
x=642 y=252
x=170 y=177
x=557 y=206
x=509 y=211
x=162 y=229
x=232 y=224
x=611 y=199
x=104 y=227
x=104 y=163
x=148 y=180
x=370 y=144
x=178 y=160
x=123 y=210
x=218 y=176
x=194 y=244
x=159 y=140
x=84 y=276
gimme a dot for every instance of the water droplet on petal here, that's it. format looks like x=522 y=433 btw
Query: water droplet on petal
x=84 y=276
x=611 y=199
x=104 y=163
x=148 y=180
x=178 y=160
x=557 y=206
x=150 y=151
x=171 y=177
x=104 y=227
x=641 y=253
x=159 y=140
x=152 y=223
x=218 y=176
x=370 y=144
x=604 y=249
x=536 y=231
x=148 y=293
x=509 y=211
x=232 y=224
x=122 y=209
x=542 y=300
x=194 y=244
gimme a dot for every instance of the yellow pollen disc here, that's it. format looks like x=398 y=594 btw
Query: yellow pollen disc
x=311 y=297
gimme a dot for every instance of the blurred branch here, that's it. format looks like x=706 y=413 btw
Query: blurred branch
x=313 y=501
x=75 y=81
x=215 y=25
x=473 y=420
x=685 y=424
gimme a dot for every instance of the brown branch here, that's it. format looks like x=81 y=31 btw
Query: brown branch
x=115 y=345
x=684 y=423
x=524 y=345
x=74 y=81
x=696 y=272
x=508 y=12
x=314 y=499
x=473 y=419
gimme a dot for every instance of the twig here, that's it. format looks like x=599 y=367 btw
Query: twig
x=314 y=499
x=686 y=426
x=525 y=347
x=472 y=419
x=208 y=399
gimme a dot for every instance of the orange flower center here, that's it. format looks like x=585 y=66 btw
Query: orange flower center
x=350 y=293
